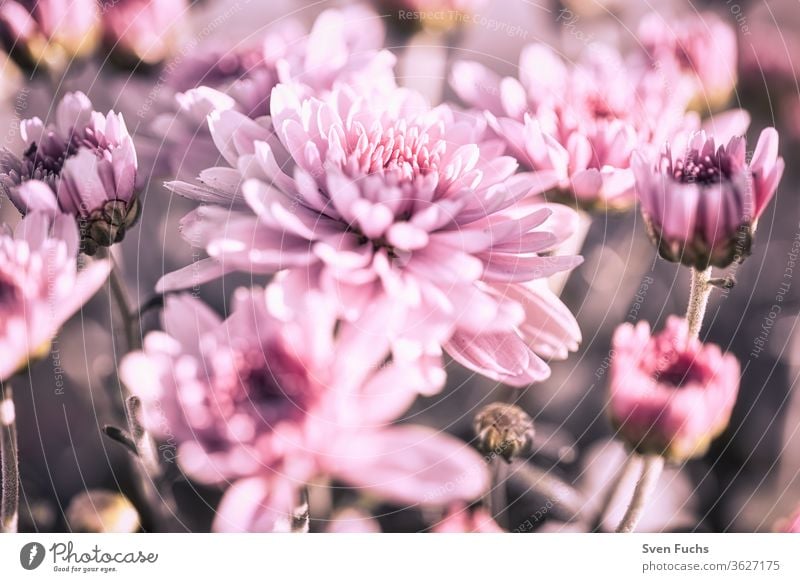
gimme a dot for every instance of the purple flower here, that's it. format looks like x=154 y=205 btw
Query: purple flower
x=40 y=286
x=702 y=205
x=48 y=33
x=84 y=164
x=670 y=394
x=575 y=125
x=282 y=392
x=397 y=209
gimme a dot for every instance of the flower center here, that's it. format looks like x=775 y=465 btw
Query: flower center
x=696 y=170
x=679 y=372
x=269 y=380
x=406 y=152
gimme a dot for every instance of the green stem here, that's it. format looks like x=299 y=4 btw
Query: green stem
x=124 y=306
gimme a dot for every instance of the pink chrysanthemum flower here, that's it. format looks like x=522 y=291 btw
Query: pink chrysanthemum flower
x=142 y=30
x=48 y=33
x=281 y=392
x=702 y=205
x=576 y=125
x=343 y=47
x=397 y=209
x=670 y=394
x=701 y=48
x=83 y=164
x=40 y=286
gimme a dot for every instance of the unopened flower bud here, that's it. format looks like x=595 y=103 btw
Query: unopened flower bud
x=503 y=429
x=701 y=205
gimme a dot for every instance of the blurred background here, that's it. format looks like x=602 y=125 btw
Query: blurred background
x=749 y=479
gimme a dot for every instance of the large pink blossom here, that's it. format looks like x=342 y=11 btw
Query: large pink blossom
x=343 y=47
x=577 y=125
x=670 y=394
x=395 y=206
x=83 y=163
x=702 y=204
x=48 y=33
x=40 y=286
x=281 y=392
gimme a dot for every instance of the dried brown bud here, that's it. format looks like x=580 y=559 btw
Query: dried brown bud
x=503 y=429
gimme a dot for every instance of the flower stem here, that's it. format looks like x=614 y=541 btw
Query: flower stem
x=9 y=504
x=698 y=300
x=124 y=306
x=495 y=501
x=620 y=476
x=651 y=470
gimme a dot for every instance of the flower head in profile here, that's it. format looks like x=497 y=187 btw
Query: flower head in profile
x=48 y=33
x=83 y=164
x=700 y=48
x=702 y=204
x=40 y=286
x=670 y=394
x=342 y=47
x=397 y=209
x=577 y=125
x=142 y=30
x=282 y=392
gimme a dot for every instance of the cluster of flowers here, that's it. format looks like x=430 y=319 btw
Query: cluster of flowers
x=396 y=231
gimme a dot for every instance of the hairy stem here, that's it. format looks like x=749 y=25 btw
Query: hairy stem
x=620 y=476
x=698 y=300
x=652 y=466
x=9 y=504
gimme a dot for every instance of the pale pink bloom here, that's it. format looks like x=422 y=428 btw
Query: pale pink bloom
x=459 y=519
x=575 y=125
x=84 y=164
x=142 y=30
x=701 y=47
x=670 y=394
x=702 y=204
x=397 y=208
x=40 y=286
x=281 y=392
x=343 y=47
x=48 y=33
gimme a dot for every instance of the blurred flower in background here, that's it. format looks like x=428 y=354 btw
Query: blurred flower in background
x=146 y=31
x=48 y=34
